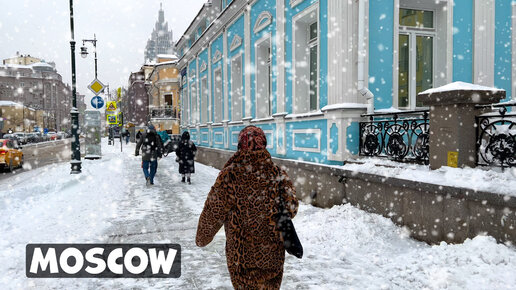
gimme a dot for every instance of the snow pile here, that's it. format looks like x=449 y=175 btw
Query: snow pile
x=460 y=86
x=347 y=248
x=477 y=179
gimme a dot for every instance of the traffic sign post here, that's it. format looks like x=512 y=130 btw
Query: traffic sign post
x=111 y=106
x=96 y=86
x=97 y=102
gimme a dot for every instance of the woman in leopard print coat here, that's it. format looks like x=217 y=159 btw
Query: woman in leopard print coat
x=245 y=199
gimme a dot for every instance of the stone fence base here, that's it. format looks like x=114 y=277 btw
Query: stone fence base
x=432 y=213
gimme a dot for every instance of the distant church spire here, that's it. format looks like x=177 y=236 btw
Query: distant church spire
x=161 y=39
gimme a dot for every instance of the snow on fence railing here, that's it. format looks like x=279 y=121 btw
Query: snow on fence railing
x=496 y=136
x=401 y=136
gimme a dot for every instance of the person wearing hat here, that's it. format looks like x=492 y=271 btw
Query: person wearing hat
x=245 y=199
x=152 y=149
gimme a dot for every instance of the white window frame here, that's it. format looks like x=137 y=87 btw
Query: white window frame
x=195 y=104
x=443 y=32
x=299 y=17
x=217 y=104
x=204 y=98
x=240 y=56
x=257 y=46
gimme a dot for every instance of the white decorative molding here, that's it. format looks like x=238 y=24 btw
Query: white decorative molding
x=316 y=132
x=294 y=3
x=270 y=143
x=216 y=56
x=215 y=138
x=484 y=43
x=207 y=136
x=280 y=57
x=264 y=19
x=204 y=66
x=235 y=43
x=232 y=134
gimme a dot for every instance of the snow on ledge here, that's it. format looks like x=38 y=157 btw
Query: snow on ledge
x=344 y=106
x=477 y=179
x=460 y=86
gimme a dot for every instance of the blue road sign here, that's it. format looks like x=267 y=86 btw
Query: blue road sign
x=97 y=102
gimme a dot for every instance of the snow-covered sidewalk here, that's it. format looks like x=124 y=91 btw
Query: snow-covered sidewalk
x=109 y=203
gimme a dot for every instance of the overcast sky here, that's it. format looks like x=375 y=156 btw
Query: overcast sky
x=41 y=28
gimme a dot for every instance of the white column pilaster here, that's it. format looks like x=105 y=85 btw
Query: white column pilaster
x=483 y=42
x=247 y=67
x=225 y=82
x=280 y=56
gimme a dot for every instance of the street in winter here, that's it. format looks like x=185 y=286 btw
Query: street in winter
x=258 y=144
x=109 y=203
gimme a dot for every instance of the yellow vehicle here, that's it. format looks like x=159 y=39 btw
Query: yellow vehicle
x=11 y=155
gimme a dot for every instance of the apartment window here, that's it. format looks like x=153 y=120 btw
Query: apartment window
x=217 y=104
x=263 y=79
x=195 y=108
x=204 y=100
x=306 y=61
x=416 y=59
x=236 y=88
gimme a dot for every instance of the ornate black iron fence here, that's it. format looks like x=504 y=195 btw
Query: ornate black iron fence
x=401 y=136
x=164 y=112
x=496 y=137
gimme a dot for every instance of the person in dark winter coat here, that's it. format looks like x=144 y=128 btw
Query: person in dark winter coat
x=185 y=153
x=152 y=149
x=138 y=136
x=245 y=199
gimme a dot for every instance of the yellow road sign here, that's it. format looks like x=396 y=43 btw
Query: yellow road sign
x=96 y=86
x=111 y=119
x=111 y=106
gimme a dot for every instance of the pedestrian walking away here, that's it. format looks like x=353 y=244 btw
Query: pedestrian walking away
x=127 y=136
x=246 y=200
x=152 y=149
x=185 y=154
x=138 y=136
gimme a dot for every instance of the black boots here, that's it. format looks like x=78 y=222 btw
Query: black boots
x=183 y=179
x=189 y=182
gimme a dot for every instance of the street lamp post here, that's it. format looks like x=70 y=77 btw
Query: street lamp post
x=76 y=146
x=84 y=50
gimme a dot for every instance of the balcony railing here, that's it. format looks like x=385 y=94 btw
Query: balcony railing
x=496 y=137
x=400 y=136
x=164 y=112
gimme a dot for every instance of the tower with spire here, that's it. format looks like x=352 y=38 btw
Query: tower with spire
x=161 y=41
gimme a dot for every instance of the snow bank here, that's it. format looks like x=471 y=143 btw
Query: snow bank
x=477 y=179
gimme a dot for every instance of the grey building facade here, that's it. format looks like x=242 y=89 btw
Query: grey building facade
x=136 y=110
x=38 y=86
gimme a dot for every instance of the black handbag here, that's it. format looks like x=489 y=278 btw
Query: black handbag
x=288 y=232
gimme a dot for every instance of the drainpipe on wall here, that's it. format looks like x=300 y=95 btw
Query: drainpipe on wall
x=365 y=92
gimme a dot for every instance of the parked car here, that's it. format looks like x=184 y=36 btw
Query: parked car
x=34 y=137
x=52 y=135
x=42 y=137
x=61 y=135
x=11 y=155
x=22 y=137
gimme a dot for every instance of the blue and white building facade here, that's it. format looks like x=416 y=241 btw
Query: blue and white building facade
x=306 y=70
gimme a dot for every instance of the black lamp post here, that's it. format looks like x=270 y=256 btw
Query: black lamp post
x=84 y=50
x=76 y=145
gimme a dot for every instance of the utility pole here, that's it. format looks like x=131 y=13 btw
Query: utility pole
x=76 y=145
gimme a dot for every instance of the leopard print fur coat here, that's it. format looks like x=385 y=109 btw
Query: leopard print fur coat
x=245 y=199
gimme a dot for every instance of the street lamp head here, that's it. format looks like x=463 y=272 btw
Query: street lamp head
x=84 y=52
